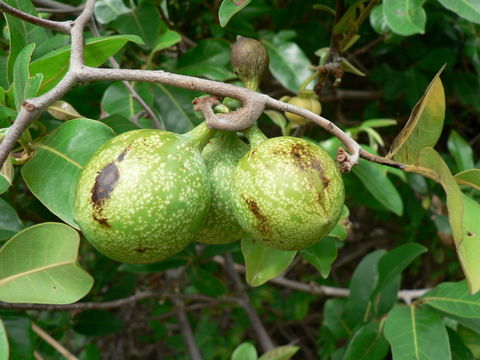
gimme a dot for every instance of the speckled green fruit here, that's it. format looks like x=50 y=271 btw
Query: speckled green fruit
x=287 y=192
x=221 y=155
x=144 y=194
x=307 y=100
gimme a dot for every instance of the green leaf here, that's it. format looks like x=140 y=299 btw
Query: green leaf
x=462 y=223
x=6 y=175
x=54 y=65
x=10 y=223
x=367 y=342
x=39 y=265
x=167 y=39
x=52 y=173
x=62 y=110
x=206 y=282
x=228 y=8
x=24 y=86
x=347 y=22
x=376 y=123
x=340 y=231
x=395 y=261
x=469 y=249
x=469 y=177
x=119 y=124
x=379 y=185
x=416 y=334
x=349 y=67
x=424 y=126
x=117 y=100
x=471 y=339
x=461 y=151
x=22 y=33
x=143 y=21
x=97 y=323
x=321 y=255
x=334 y=312
x=108 y=10
x=325 y=8
x=262 y=262
x=288 y=63
x=454 y=298
x=19 y=330
x=459 y=350
x=378 y=20
x=280 y=353
x=468 y=9
x=405 y=17
x=382 y=302
x=362 y=285
x=209 y=59
x=4 y=347
x=245 y=351
x=174 y=107
x=277 y=118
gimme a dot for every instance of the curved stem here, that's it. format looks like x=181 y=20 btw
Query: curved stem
x=308 y=80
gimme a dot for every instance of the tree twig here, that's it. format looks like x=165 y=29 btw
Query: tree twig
x=315 y=289
x=381 y=160
x=54 y=343
x=264 y=339
x=340 y=94
x=82 y=305
x=63 y=27
x=186 y=330
x=57 y=5
x=253 y=102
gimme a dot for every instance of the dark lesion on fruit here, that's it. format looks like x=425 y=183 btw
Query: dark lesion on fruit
x=142 y=250
x=306 y=160
x=317 y=166
x=122 y=156
x=97 y=216
x=263 y=221
x=105 y=183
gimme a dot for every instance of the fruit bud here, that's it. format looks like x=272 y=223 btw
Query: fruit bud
x=249 y=60
x=306 y=99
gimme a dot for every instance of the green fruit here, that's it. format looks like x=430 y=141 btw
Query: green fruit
x=249 y=61
x=144 y=194
x=221 y=156
x=307 y=100
x=287 y=192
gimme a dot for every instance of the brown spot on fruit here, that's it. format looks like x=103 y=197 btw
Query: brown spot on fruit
x=104 y=184
x=469 y=233
x=305 y=159
x=142 y=250
x=298 y=151
x=317 y=165
x=263 y=223
x=97 y=216
x=123 y=154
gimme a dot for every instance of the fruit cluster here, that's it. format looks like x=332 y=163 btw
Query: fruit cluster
x=146 y=194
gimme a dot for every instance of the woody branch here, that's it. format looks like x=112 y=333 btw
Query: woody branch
x=253 y=103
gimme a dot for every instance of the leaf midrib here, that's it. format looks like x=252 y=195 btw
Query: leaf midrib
x=33 y=271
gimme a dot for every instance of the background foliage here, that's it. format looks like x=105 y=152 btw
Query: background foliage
x=397 y=234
